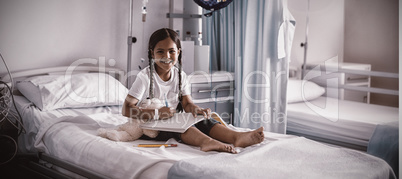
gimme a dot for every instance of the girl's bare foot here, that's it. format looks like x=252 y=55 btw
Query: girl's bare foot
x=246 y=139
x=214 y=145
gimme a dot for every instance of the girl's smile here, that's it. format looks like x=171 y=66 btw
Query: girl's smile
x=165 y=60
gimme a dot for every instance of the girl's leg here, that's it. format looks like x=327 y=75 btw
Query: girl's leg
x=238 y=139
x=195 y=137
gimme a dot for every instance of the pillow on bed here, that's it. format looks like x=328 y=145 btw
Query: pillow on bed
x=73 y=91
x=301 y=90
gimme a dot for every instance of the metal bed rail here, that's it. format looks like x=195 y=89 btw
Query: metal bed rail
x=38 y=164
x=370 y=89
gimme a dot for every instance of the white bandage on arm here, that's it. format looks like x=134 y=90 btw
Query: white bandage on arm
x=156 y=114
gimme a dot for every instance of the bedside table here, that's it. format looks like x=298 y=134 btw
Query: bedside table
x=214 y=91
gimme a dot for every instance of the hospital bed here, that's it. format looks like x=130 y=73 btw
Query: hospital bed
x=346 y=123
x=61 y=136
x=361 y=126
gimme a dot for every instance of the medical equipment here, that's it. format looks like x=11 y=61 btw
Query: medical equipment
x=8 y=120
x=144 y=10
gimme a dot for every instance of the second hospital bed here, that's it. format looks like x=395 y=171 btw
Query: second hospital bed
x=361 y=126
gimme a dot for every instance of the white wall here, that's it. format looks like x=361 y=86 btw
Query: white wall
x=47 y=33
x=371 y=31
x=358 y=31
x=325 y=30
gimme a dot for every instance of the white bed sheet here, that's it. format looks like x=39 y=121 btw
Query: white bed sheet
x=339 y=120
x=33 y=118
x=73 y=138
x=47 y=132
x=284 y=156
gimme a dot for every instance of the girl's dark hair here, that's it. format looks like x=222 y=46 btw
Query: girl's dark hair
x=156 y=37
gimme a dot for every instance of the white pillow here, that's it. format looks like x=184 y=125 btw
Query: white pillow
x=73 y=91
x=302 y=90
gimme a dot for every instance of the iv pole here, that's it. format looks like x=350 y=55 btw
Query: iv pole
x=131 y=39
x=305 y=44
x=129 y=43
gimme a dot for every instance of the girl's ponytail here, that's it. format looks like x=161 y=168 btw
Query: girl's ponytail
x=180 y=106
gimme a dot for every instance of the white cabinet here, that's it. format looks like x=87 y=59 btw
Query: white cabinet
x=214 y=91
x=330 y=75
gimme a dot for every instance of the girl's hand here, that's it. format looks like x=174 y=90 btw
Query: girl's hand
x=166 y=112
x=206 y=112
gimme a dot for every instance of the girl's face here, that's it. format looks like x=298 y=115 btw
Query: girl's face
x=165 y=54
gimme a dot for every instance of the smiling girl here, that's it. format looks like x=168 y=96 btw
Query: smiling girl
x=165 y=80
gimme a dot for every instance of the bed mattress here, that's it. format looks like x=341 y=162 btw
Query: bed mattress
x=340 y=122
x=46 y=132
x=70 y=135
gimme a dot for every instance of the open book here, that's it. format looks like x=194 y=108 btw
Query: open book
x=180 y=122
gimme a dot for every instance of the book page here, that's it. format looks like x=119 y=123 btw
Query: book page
x=180 y=122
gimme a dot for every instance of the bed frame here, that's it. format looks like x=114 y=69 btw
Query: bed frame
x=329 y=70
x=115 y=72
x=334 y=143
x=370 y=89
x=35 y=162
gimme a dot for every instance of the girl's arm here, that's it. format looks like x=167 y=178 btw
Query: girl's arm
x=130 y=109
x=190 y=107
